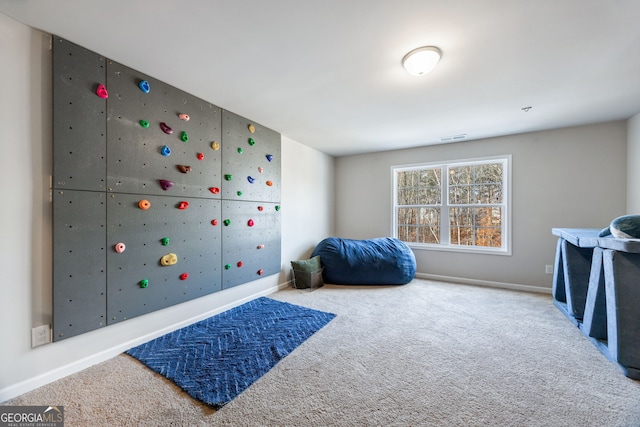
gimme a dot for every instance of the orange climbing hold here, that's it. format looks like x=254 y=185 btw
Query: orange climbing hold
x=144 y=204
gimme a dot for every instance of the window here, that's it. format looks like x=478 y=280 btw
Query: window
x=461 y=205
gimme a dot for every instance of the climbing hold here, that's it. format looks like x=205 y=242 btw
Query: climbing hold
x=227 y=222
x=184 y=117
x=250 y=223
x=120 y=247
x=184 y=136
x=166 y=151
x=165 y=184
x=260 y=169
x=260 y=272
x=164 y=241
x=277 y=207
x=169 y=259
x=144 y=123
x=101 y=91
x=184 y=276
x=143 y=283
x=239 y=264
x=144 y=86
x=214 y=190
x=269 y=157
x=165 y=128
x=260 y=208
x=183 y=205
x=252 y=128
x=183 y=168
x=269 y=183
x=260 y=246
x=200 y=156
x=227 y=266
x=214 y=222
x=239 y=193
x=252 y=142
x=228 y=177
x=144 y=204
x=251 y=179
x=240 y=150
x=215 y=145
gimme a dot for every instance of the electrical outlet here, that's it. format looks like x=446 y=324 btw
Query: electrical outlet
x=40 y=335
x=548 y=269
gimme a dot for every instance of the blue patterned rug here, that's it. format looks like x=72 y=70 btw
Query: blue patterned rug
x=216 y=359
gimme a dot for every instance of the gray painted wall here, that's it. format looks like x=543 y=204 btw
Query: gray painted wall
x=573 y=177
x=633 y=165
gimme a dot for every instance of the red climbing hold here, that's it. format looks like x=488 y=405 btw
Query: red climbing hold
x=184 y=276
x=183 y=205
x=101 y=91
x=239 y=264
x=260 y=272
x=250 y=223
x=260 y=208
x=200 y=156
x=214 y=222
x=214 y=190
x=183 y=168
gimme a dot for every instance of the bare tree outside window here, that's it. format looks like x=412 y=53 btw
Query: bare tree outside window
x=455 y=204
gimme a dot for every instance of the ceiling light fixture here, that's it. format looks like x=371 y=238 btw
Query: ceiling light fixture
x=422 y=60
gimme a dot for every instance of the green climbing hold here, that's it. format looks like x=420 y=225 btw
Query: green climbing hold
x=227 y=267
x=165 y=241
x=240 y=150
x=228 y=177
x=144 y=123
x=252 y=141
x=144 y=283
x=239 y=193
x=277 y=207
x=227 y=221
x=184 y=136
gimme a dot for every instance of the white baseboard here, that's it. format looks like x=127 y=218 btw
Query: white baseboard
x=48 y=377
x=502 y=285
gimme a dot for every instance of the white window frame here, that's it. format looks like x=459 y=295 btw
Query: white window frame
x=444 y=244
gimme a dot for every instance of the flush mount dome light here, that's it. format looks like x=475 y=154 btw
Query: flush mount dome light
x=422 y=60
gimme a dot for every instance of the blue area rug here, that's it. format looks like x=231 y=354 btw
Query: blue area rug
x=216 y=359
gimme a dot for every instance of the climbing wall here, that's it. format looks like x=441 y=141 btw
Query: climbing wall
x=159 y=197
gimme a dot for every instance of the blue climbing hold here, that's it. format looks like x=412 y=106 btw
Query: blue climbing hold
x=251 y=179
x=144 y=86
x=269 y=157
x=166 y=151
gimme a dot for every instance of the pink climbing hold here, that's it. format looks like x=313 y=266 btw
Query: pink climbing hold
x=120 y=247
x=184 y=117
x=260 y=246
x=260 y=272
x=165 y=184
x=260 y=208
x=101 y=91
x=250 y=223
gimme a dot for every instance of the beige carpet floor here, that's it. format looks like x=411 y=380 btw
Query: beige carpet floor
x=424 y=354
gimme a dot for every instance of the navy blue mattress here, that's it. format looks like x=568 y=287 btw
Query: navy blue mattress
x=380 y=261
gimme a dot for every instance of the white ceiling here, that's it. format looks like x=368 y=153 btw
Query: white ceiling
x=327 y=73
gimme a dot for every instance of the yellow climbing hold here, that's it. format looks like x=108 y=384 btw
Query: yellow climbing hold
x=215 y=145
x=169 y=259
x=252 y=128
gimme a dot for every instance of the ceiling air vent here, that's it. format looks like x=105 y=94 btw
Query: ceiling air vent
x=454 y=138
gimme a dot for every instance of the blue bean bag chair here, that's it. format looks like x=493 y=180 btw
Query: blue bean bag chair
x=623 y=227
x=380 y=261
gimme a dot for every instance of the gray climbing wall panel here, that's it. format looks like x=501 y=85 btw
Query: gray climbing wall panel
x=251 y=166
x=134 y=152
x=250 y=242
x=106 y=242
x=79 y=262
x=79 y=118
x=192 y=237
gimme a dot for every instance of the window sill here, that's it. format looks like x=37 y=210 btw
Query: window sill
x=456 y=248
